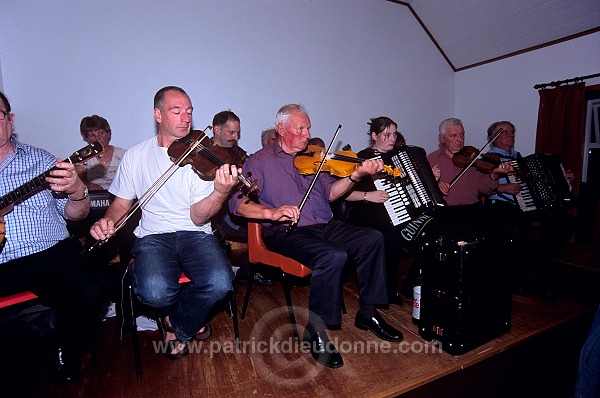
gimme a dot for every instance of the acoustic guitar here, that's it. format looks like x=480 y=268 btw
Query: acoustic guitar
x=36 y=184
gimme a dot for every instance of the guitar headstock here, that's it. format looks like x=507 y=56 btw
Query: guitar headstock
x=88 y=152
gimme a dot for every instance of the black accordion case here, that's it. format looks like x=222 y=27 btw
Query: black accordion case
x=466 y=293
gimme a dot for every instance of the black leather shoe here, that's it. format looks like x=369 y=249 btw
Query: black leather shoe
x=64 y=371
x=321 y=348
x=333 y=327
x=377 y=325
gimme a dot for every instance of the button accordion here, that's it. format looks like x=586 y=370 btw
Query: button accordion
x=543 y=181
x=414 y=195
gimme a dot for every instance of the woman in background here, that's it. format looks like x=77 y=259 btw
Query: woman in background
x=365 y=203
x=98 y=173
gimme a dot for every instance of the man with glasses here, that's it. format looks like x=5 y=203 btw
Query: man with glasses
x=464 y=212
x=535 y=270
x=39 y=255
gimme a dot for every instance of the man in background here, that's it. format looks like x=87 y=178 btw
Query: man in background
x=226 y=133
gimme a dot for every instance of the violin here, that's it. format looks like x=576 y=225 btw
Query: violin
x=339 y=164
x=194 y=149
x=484 y=163
x=205 y=159
x=468 y=156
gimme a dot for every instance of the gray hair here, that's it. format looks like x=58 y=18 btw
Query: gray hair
x=284 y=113
x=263 y=135
x=492 y=128
x=452 y=121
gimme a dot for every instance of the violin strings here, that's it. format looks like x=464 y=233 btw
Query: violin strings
x=206 y=152
x=346 y=158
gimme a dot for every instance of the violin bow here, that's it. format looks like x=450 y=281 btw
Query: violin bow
x=150 y=192
x=455 y=179
x=312 y=183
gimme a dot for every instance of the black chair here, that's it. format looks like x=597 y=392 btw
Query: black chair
x=134 y=309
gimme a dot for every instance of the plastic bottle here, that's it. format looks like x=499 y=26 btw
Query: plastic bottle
x=416 y=310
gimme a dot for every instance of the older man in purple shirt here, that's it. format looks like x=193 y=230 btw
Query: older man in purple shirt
x=318 y=241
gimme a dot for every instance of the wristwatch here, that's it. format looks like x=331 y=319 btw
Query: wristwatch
x=85 y=195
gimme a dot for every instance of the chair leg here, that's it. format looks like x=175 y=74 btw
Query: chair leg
x=134 y=336
x=248 y=291
x=287 y=288
x=233 y=314
x=344 y=305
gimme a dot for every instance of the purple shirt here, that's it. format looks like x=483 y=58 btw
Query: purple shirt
x=467 y=189
x=280 y=184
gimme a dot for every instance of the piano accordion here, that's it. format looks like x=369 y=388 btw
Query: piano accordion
x=544 y=184
x=414 y=193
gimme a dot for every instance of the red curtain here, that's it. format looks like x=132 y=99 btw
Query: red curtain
x=561 y=126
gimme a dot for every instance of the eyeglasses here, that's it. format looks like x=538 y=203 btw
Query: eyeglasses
x=3 y=115
x=97 y=133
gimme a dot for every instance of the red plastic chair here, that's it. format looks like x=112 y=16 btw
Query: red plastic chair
x=258 y=253
x=16 y=299
x=23 y=297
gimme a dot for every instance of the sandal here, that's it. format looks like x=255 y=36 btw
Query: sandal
x=165 y=326
x=204 y=333
x=182 y=347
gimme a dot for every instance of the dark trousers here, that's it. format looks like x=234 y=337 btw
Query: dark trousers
x=325 y=249
x=63 y=282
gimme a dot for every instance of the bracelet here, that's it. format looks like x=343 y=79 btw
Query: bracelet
x=352 y=179
x=85 y=195
x=365 y=197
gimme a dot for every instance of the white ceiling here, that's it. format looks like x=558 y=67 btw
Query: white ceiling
x=471 y=32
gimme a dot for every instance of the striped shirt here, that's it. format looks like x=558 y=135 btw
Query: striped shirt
x=505 y=157
x=37 y=223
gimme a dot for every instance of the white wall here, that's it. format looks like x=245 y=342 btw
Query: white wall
x=345 y=60
x=503 y=90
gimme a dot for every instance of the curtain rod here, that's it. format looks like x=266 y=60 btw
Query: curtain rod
x=558 y=83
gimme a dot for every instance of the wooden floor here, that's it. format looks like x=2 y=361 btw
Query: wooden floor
x=545 y=336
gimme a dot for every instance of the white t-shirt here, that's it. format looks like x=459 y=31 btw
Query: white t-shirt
x=169 y=208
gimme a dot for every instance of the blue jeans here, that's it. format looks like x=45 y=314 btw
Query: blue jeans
x=588 y=374
x=159 y=261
